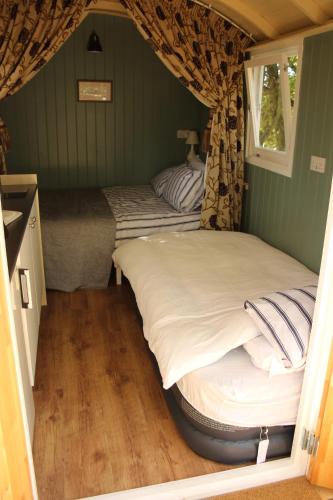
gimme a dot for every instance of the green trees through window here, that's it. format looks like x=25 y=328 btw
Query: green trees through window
x=272 y=127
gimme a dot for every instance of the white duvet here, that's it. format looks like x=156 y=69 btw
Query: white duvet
x=191 y=287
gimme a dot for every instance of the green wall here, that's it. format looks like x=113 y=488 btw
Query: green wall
x=290 y=213
x=75 y=144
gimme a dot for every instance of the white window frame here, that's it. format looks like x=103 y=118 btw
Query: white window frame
x=280 y=162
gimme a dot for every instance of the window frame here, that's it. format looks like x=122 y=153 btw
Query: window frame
x=280 y=162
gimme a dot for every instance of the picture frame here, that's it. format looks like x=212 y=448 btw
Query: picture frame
x=94 y=90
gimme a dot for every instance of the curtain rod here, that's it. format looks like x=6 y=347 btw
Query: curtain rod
x=209 y=6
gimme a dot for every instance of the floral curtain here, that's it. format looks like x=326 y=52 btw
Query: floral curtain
x=31 y=32
x=206 y=53
x=4 y=146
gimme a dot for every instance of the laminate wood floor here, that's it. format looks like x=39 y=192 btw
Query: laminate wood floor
x=102 y=424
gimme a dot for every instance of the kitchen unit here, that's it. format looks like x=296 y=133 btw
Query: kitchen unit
x=19 y=193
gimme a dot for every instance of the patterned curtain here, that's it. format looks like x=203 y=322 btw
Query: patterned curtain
x=4 y=146
x=206 y=53
x=31 y=32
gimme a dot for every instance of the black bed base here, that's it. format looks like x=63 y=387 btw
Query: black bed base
x=232 y=446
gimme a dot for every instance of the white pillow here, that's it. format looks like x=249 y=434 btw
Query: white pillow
x=184 y=189
x=263 y=356
x=197 y=164
x=159 y=180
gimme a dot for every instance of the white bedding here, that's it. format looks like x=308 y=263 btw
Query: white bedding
x=191 y=287
x=140 y=212
x=235 y=392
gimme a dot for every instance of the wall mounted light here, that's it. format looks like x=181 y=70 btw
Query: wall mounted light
x=192 y=139
x=94 y=44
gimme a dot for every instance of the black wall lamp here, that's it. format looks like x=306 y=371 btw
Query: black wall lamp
x=94 y=44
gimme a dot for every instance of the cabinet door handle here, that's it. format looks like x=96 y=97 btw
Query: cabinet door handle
x=25 y=288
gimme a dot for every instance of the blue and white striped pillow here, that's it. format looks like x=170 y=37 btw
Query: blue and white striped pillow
x=285 y=319
x=159 y=181
x=184 y=189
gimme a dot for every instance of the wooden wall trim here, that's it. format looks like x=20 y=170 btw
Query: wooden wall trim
x=15 y=479
x=112 y=7
x=320 y=470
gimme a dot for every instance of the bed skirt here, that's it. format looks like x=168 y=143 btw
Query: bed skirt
x=224 y=443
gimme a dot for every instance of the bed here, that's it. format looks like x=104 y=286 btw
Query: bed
x=78 y=232
x=190 y=289
x=138 y=211
x=81 y=228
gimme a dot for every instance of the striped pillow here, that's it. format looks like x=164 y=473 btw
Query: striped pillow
x=159 y=181
x=184 y=189
x=285 y=319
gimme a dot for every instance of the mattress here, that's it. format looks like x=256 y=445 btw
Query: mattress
x=230 y=444
x=190 y=289
x=140 y=212
x=233 y=392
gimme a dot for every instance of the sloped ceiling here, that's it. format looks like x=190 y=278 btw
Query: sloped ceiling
x=264 y=19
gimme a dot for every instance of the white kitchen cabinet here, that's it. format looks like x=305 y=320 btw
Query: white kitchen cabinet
x=27 y=286
x=30 y=274
x=20 y=249
x=25 y=259
x=21 y=348
x=30 y=309
x=36 y=251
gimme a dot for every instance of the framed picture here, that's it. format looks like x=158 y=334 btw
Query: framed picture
x=94 y=90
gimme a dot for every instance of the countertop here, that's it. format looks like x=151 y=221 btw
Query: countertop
x=16 y=229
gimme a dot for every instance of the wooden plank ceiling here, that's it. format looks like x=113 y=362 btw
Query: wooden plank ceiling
x=264 y=19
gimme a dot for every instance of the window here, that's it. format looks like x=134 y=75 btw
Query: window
x=272 y=84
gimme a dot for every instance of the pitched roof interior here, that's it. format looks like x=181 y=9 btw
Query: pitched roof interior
x=264 y=19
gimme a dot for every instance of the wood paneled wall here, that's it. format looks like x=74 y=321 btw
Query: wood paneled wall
x=75 y=144
x=290 y=213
